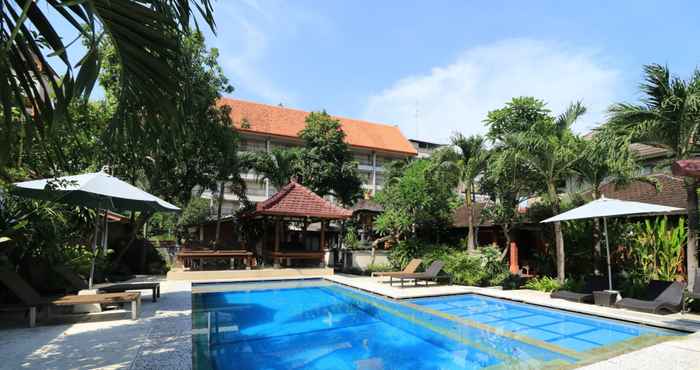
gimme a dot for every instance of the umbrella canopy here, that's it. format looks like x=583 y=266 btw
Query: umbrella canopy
x=607 y=207
x=94 y=190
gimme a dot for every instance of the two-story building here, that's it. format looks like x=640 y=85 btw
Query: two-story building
x=263 y=127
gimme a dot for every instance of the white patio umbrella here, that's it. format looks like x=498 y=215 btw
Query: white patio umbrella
x=607 y=207
x=96 y=190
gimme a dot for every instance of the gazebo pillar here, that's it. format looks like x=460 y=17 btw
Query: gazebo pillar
x=277 y=244
x=322 y=246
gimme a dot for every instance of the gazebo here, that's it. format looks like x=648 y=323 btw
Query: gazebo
x=295 y=203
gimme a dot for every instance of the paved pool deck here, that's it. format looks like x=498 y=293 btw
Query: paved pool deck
x=161 y=337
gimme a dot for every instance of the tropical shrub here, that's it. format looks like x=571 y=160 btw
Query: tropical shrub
x=543 y=284
x=378 y=267
x=657 y=248
x=404 y=251
x=465 y=268
x=351 y=240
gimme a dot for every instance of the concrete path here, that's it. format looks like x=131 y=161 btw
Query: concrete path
x=160 y=339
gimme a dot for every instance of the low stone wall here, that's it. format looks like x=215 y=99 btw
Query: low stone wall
x=361 y=258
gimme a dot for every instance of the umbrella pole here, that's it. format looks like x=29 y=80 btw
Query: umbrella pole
x=607 y=248
x=94 y=248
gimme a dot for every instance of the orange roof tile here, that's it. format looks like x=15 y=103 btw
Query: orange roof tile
x=671 y=193
x=296 y=200
x=287 y=122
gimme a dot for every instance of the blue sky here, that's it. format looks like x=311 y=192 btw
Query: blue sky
x=436 y=67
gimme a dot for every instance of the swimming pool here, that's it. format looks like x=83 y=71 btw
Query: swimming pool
x=316 y=324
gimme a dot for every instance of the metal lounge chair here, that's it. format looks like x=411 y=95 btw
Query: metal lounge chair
x=409 y=269
x=431 y=274
x=663 y=297
x=32 y=300
x=593 y=283
x=78 y=283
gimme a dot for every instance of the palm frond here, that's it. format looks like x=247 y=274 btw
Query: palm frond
x=143 y=31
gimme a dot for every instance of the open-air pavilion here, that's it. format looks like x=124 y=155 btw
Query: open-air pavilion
x=295 y=204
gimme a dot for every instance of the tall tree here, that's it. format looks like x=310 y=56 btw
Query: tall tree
x=420 y=198
x=471 y=165
x=545 y=145
x=145 y=35
x=507 y=182
x=668 y=117
x=325 y=163
x=606 y=158
x=172 y=155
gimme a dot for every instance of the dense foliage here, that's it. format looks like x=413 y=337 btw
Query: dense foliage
x=325 y=163
x=418 y=201
x=146 y=36
x=168 y=153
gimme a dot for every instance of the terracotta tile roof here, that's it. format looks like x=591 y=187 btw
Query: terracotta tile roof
x=295 y=200
x=671 y=193
x=647 y=151
x=287 y=122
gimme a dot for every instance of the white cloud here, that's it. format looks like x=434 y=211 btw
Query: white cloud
x=247 y=31
x=456 y=97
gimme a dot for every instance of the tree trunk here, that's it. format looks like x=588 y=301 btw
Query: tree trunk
x=560 y=251
x=470 y=221
x=218 y=214
x=558 y=236
x=506 y=233
x=692 y=251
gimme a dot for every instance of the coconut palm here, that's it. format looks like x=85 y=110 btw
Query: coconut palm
x=143 y=32
x=668 y=117
x=549 y=149
x=277 y=166
x=471 y=164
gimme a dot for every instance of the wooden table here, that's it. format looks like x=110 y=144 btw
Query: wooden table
x=187 y=258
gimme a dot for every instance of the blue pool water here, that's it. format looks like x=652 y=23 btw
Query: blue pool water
x=314 y=324
x=571 y=331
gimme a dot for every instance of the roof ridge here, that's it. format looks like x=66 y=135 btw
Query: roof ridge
x=307 y=112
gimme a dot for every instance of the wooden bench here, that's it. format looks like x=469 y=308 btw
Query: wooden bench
x=188 y=257
x=108 y=298
x=118 y=288
x=278 y=256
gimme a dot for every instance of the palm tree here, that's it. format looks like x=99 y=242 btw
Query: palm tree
x=668 y=117
x=606 y=159
x=277 y=167
x=472 y=161
x=143 y=32
x=548 y=149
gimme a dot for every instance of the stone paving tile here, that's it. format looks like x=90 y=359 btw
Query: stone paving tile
x=661 y=356
x=160 y=336
x=166 y=352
